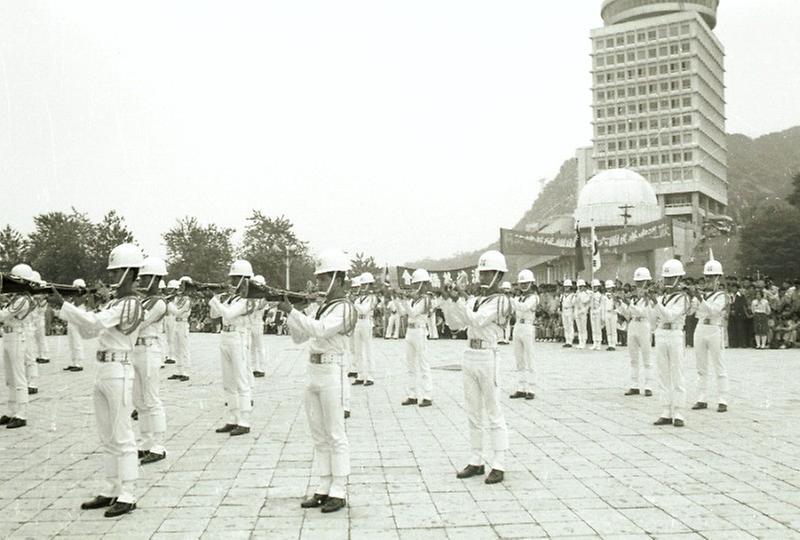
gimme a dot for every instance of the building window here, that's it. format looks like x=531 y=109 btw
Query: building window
x=673 y=67
x=662 y=51
x=686 y=102
x=643 y=142
x=687 y=138
x=654 y=159
x=601 y=164
x=662 y=32
x=665 y=176
x=630 y=38
x=620 y=40
x=600 y=44
x=651 y=34
x=652 y=71
x=685 y=65
x=621 y=145
x=685 y=46
x=601 y=147
x=633 y=161
x=673 y=85
x=620 y=58
x=632 y=144
x=676 y=175
x=600 y=61
x=640 y=54
x=676 y=139
x=610 y=42
x=664 y=159
x=612 y=146
x=652 y=52
x=664 y=122
x=610 y=59
x=631 y=56
x=600 y=113
x=688 y=174
x=673 y=30
x=642 y=125
x=662 y=69
x=686 y=83
x=621 y=127
x=653 y=123
x=674 y=103
x=612 y=129
x=653 y=105
x=687 y=156
x=687 y=119
x=612 y=163
x=675 y=121
x=676 y=158
x=664 y=104
x=611 y=93
x=664 y=139
x=601 y=96
x=621 y=162
x=611 y=111
x=673 y=49
x=601 y=130
x=684 y=29
x=640 y=37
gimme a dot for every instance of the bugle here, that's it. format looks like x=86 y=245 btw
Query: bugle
x=196 y=286
x=272 y=294
x=68 y=291
x=14 y=285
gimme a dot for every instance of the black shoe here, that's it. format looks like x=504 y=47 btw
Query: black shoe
x=470 y=471
x=352 y=374
x=152 y=457
x=517 y=395
x=357 y=381
x=173 y=377
x=409 y=401
x=677 y=422
x=42 y=360
x=530 y=395
x=567 y=345
x=141 y=453
x=68 y=368
x=347 y=414
x=722 y=408
x=98 y=502
x=15 y=423
x=76 y=368
x=4 y=420
x=662 y=421
x=632 y=392
x=169 y=361
x=611 y=349
x=258 y=374
x=119 y=508
x=32 y=390
x=226 y=428
x=495 y=476
x=332 y=504
x=648 y=393
x=425 y=403
x=315 y=501
x=184 y=378
x=700 y=405
x=368 y=383
x=239 y=430
x=135 y=414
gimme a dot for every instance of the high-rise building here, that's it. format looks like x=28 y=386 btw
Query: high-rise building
x=658 y=101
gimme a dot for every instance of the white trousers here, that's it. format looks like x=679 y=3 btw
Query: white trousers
x=597 y=328
x=75 y=345
x=236 y=377
x=147 y=397
x=524 y=337
x=639 y=344
x=363 y=352
x=420 y=384
x=610 y=323
x=433 y=331
x=482 y=394
x=31 y=367
x=393 y=326
x=583 y=334
x=42 y=351
x=708 y=346
x=323 y=403
x=180 y=347
x=568 y=320
x=112 y=408
x=167 y=345
x=257 y=352
x=669 y=359
x=15 y=349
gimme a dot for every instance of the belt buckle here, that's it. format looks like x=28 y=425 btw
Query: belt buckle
x=476 y=344
x=706 y=321
x=667 y=326
x=315 y=358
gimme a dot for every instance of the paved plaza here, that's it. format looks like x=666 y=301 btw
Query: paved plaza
x=584 y=460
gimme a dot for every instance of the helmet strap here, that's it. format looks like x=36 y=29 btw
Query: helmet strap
x=118 y=284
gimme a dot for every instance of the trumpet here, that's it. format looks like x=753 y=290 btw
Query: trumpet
x=273 y=294
x=14 y=285
x=69 y=291
x=196 y=286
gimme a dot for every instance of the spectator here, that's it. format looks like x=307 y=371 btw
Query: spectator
x=785 y=333
x=761 y=310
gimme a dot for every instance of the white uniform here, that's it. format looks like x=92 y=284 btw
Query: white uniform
x=75 y=342
x=179 y=310
x=420 y=385
x=168 y=336
x=393 y=324
x=596 y=318
x=671 y=312
x=609 y=314
x=524 y=337
x=365 y=364
x=16 y=335
x=638 y=314
x=39 y=320
x=117 y=328
x=568 y=316
x=708 y=345
x=484 y=319
x=235 y=340
x=582 y=300
x=147 y=357
x=327 y=332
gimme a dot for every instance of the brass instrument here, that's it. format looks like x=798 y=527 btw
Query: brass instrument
x=273 y=294
x=11 y=285
x=197 y=286
x=69 y=291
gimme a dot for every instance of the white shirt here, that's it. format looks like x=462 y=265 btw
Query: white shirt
x=525 y=306
x=486 y=323
x=125 y=312
x=180 y=307
x=671 y=309
x=712 y=307
x=417 y=309
x=364 y=305
x=329 y=332
x=233 y=311
x=582 y=300
x=155 y=307
x=17 y=313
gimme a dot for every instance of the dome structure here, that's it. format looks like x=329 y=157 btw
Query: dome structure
x=600 y=200
x=621 y=11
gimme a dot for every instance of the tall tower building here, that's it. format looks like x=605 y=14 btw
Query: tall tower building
x=658 y=101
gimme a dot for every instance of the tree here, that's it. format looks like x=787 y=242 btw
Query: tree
x=266 y=244
x=361 y=263
x=108 y=234
x=794 y=196
x=59 y=247
x=769 y=240
x=202 y=252
x=13 y=248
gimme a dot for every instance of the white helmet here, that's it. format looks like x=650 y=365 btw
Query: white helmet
x=581 y=283
x=610 y=284
x=174 y=283
x=259 y=279
x=492 y=260
x=153 y=266
x=125 y=256
x=595 y=282
x=366 y=278
x=241 y=267
x=672 y=268
x=36 y=276
x=712 y=268
x=332 y=260
x=567 y=283
x=420 y=275
x=78 y=283
x=642 y=274
x=161 y=284
x=525 y=276
x=356 y=281
x=505 y=286
x=22 y=271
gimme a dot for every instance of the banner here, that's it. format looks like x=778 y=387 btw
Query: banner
x=645 y=237
x=438 y=277
x=579 y=265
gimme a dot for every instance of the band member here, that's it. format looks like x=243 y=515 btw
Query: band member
x=74 y=337
x=582 y=301
x=505 y=288
x=638 y=313
x=233 y=349
x=257 y=352
x=117 y=327
x=708 y=337
x=16 y=334
x=596 y=314
x=41 y=353
x=420 y=387
x=179 y=309
x=147 y=358
x=168 y=338
x=350 y=353
x=568 y=313
x=326 y=333
x=484 y=317
x=390 y=303
x=608 y=309
x=365 y=304
x=671 y=311
x=525 y=305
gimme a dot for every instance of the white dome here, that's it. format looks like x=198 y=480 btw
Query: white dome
x=600 y=199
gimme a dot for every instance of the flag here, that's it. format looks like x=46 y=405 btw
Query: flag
x=579 y=266
x=595 y=252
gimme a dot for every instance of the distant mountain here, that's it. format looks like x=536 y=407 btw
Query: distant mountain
x=757 y=169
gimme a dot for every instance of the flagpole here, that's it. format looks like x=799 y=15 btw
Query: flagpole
x=591 y=249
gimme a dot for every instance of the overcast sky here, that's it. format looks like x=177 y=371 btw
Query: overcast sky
x=402 y=129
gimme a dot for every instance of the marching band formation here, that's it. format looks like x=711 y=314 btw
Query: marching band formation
x=143 y=324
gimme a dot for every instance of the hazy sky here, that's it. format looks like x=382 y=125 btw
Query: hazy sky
x=403 y=129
